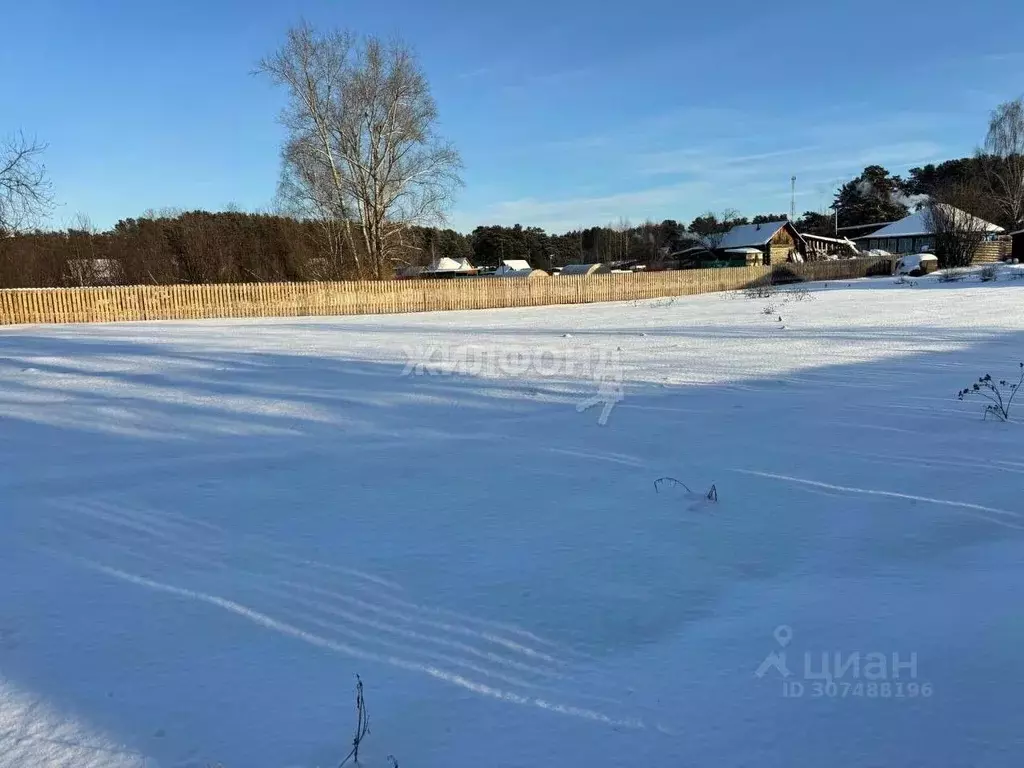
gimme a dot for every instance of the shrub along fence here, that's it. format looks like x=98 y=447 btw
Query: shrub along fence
x=180 y=302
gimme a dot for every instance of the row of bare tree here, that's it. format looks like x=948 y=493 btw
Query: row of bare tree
x=996 y=184
x=201 y=247
x=25 y=190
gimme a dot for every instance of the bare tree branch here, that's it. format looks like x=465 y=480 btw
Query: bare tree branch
x=25 y=191
x=1003 y=161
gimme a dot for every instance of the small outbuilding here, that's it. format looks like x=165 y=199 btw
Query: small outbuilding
x=512 y=265
x=776 y=241
x=446 y=267
x=1017 y=249
x=517 y=268
x=93 y=272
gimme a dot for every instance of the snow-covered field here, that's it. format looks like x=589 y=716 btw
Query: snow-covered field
x=207 y=529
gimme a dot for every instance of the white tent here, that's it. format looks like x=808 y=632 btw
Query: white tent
x=447 y=265
x=511 y=267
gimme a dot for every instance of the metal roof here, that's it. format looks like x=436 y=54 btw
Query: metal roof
x=446 y=264
x=916 y=225
x=515 y=264
x=746 y=235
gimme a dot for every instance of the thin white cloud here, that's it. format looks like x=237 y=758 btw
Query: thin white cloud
x=1003 y=57
x=571 y=213
x=475 y=73
x=707 y=160
x=552 y=79
x=580 y=142
x=748 y=174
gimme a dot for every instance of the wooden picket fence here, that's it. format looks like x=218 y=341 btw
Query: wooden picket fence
x=181 y=302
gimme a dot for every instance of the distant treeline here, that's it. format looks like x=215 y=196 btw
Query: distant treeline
x=196 y=247
x=232 y=247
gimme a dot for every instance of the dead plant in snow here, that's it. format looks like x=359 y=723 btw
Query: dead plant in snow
x=797 y=292
x=1000 y=394
x=989 y=273
x=671 y=482
x=761 y=290
x=770 y=289
x=362 y=730
x=953 y=275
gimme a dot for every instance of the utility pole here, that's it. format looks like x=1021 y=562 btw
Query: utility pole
x=835 y=210
x=792 y=199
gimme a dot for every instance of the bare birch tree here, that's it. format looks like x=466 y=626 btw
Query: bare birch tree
x=362 y=155
x=25 y=192
x=1003 y=160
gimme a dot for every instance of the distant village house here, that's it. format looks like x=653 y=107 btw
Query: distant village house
x=913 y=234
x=93 y=272
x=445 y=268
x=517 y=268
x=773 y=242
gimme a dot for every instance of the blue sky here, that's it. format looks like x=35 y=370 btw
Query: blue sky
x=567 y=113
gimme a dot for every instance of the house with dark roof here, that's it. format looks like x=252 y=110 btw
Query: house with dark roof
x=772 y=242
x=859 y=230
